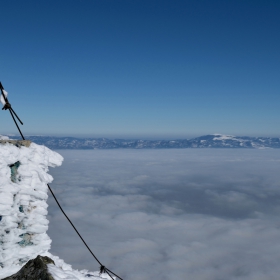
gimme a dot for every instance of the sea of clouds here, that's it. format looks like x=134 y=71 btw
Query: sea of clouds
x=207 y=214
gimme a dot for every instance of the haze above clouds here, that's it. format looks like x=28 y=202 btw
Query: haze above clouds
x=170 y=214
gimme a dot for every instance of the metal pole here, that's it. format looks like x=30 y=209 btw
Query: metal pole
x=9 y=107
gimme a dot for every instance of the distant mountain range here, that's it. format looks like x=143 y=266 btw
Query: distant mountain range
x=207 y=141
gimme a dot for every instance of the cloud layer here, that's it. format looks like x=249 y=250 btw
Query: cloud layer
x=170 y=214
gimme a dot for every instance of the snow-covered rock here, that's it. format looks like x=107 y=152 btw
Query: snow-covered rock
x=33 y=270
x=23 y=209
x=43 y=267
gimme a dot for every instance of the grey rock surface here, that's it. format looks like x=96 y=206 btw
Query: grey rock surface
x=17 y=143
x=35 y=269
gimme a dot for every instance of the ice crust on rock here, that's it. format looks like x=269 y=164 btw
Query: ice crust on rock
x=23 y=210
x=23 y=207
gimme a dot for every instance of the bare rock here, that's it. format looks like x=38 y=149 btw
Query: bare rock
x=35 y=269
x=17 y=143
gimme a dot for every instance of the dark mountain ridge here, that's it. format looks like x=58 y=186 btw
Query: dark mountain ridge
x=206 y=141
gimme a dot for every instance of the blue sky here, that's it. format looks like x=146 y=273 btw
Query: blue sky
x=153 y=69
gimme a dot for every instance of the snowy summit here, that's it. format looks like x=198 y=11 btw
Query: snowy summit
x=23 y=209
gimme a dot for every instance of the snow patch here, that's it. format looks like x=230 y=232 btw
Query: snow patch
x=61 y=271
x=224 y=137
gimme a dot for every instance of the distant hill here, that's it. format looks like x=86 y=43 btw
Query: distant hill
x=207 y=141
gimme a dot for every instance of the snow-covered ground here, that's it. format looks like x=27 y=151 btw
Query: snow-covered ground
x=23 y=210
x=61 y=271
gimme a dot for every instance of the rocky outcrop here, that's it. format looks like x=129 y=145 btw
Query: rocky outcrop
x=17 y=143
x=34 y=270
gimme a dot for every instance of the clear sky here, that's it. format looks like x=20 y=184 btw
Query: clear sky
x=153 y=69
